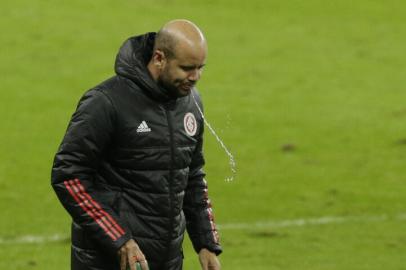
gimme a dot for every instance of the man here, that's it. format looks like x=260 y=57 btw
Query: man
x=129 y=169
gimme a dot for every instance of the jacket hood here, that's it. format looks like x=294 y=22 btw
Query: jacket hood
x=131 y=62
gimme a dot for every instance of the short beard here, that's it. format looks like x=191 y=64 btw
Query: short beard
x=170 y=88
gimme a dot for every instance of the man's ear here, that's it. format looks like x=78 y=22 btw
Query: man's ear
x=159 y=59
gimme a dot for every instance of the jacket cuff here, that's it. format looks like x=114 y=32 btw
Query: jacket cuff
x=116 y=245
x=212 y=247
x=215 y=249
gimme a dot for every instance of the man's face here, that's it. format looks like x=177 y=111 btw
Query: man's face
x=181 y=72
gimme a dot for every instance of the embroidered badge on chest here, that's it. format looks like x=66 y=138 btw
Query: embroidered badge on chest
x=190 y=124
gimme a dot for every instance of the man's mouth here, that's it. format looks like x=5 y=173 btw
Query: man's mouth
x=187 y=86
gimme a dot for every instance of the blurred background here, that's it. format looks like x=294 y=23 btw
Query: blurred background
x=308 y=95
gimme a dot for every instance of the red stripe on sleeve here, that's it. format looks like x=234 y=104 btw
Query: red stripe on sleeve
x=82 y=204
x=210 y=213
x=98 y=207
x=91 y=207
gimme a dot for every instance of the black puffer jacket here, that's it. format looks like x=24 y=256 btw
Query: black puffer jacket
x=130 y=166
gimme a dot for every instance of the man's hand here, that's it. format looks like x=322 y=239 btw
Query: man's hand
x=208 y=260
x=130 y=254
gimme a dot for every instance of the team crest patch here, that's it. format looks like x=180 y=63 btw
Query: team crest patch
x=190 y=124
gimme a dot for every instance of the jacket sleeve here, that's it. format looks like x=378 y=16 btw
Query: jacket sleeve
x=197 y=206
x=74 y=167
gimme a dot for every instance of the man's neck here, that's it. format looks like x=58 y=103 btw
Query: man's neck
x=153 y=71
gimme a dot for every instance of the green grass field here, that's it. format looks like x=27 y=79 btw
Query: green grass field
x=309 y=96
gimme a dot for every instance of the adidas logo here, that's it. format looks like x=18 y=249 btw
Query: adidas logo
x=143 y=127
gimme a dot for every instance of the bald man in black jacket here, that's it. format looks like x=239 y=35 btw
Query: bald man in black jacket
x=129 y=169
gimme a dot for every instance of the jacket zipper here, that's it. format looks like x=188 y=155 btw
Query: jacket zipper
x=171 y=194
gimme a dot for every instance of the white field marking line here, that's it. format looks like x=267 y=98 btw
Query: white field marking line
x=44 y=239
x=33 y=239
x=311 y=222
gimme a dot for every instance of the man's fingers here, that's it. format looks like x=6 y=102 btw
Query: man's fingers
x=132 y=260
x=204 y=264
x=208 y=260
x=214 y=264
x=140 y=259
x=131 y=255
x=135 y=258
x=123 y=260
x=144 y=264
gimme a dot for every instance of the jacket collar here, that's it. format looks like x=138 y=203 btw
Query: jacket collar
x=131 y=62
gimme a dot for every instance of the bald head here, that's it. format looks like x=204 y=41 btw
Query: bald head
x=178 y=57
x=178 y=34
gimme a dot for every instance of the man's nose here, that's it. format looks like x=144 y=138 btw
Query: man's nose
x=194 y=75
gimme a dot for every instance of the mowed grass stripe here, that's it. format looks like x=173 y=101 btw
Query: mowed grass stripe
x=326 y=220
